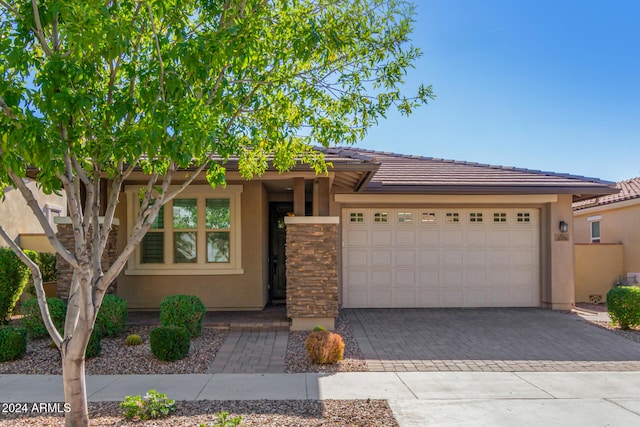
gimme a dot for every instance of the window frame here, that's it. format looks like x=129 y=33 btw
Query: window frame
x=597 y=239
x=201 y=267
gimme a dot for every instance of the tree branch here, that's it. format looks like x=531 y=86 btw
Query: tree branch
x=37 y=283
x=6 y=108
x=11 y=9
x=157 y=42
x=38 y=29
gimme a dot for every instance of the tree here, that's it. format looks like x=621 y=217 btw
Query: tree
x=93 y=90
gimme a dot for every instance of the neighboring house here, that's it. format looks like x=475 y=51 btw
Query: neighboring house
x=380 y=230
x=607 y=234
x=18 y=220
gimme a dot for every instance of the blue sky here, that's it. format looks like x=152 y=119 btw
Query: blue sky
x=547 y=85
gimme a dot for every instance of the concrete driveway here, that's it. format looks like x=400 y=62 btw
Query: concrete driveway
x=497 y=340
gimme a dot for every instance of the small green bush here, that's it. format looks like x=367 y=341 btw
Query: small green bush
x=185 y=311
x=47 y=263
x=14 y=275
x=153 y=405
x=169 y=343
x=324 y=347
x=319 y=328
x=93 y=346
x=623 y=304
x=112 y=316
x=132 y=340
x=13 y=343
x=223 y=420
x=32 y=319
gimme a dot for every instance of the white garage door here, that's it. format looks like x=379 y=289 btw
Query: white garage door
x=485 y=257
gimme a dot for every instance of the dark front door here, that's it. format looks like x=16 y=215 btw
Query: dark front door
x=277 y=239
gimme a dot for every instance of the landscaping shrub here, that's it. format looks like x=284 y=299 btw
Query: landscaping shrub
x=47 y=263
x=153 y=405
x=133 y=339
x=623 y=304
x=13 y=343
x=14 y=275
x=324 y=347
x=169 y=343
x=185 y=311
x=112 y=316
x=93 y=346
x=223 y=420
x=32 y=319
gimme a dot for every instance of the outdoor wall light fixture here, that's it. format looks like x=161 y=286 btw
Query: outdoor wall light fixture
x=564 y=227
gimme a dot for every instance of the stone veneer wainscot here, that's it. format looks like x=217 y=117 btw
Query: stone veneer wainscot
x=312 y=271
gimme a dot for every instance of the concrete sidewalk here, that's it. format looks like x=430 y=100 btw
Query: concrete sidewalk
x=416 y=398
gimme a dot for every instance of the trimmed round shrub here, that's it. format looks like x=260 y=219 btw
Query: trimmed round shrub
x=32 y=319
x=324 y=347
x=185 y=311
x=13 y=343
x=623 y=304
x=14 y=275
x=93 y=346
x=169 y=343
x=112 y=316
x=133 y=339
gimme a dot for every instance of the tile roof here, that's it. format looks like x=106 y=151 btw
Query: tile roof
x=398 y=172
x=629 y=189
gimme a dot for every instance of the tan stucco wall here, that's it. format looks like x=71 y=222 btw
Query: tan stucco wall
x=597 y=266
x=16 y=216
x=558 y=287
x=617 y=225
x=245 y=291
x=36 y=242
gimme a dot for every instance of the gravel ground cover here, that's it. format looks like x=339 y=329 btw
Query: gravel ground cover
x=632 y=334
x=296 y=360
x=116 y=358
x=280 y=413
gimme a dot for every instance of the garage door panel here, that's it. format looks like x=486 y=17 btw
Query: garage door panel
x=380 y=278
x=381 y=257
x=429 y=257
x=444 y=257
x=405 y=258
x=381 y=237
x=452 y=258
x=380 y=298
x=405 y=298
x=429 y=237
x=405 y=237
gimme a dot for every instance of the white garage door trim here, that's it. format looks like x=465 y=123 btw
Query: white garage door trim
x=444 y=257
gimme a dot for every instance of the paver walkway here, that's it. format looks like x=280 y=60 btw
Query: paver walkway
x=509 y=340
x=252 y=351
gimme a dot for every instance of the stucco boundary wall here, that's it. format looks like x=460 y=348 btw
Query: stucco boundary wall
x=597 y=267
x=312 y=271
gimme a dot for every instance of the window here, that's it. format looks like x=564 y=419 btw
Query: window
x=595 y=231
x=428 y=217
x=452 y=217
x=475 y=217
x=404 y=217
x=356 y=217
x=499 y=217
x=523 y=217
x=196 y=233
x=52 y=212
x=380 y=217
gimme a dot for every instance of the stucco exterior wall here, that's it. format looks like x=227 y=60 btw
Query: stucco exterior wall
x=619 y=223
x=558 y=287
x=16 y=216
x=246 y=291
x=597 y=266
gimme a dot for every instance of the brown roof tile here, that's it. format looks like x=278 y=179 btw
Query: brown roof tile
x=399 y=172
x=629 y=189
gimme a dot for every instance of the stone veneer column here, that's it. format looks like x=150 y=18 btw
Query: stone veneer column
x=64 y=270
x=312 y=271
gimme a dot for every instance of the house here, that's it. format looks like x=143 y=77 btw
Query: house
x=19 y=222
x=380 y=230
x=607 y=237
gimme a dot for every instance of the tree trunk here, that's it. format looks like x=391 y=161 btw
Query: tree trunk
x=75 y=390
